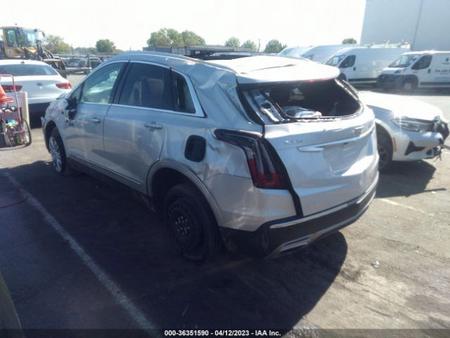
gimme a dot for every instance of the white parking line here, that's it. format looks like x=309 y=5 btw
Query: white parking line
x=115 y=291
x=391 y=202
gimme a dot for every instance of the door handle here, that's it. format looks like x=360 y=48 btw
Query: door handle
x=95 y=120
x=153 y=126
x=429 y=70
x=354 y=68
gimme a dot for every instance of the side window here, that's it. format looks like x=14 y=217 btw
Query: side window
x=147 y=86
x=423 y=62
x=99 y=86
x=182 y=99
x=76 y=94
x=11 y=37
x=348 y=62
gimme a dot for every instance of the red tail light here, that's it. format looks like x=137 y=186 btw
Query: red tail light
x=265 y=168
x=11 y=88
x=64 y=85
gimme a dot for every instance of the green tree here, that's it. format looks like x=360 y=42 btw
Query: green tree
x=56 y=44
x=105 y=46
x=349 y=41
x=85 y=50
x=169 y=37
x=165 y=37
x=192 y=39
x=274 y=46
x=249 y=44
x=232 y=42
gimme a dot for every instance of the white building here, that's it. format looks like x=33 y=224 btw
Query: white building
x=425 y=24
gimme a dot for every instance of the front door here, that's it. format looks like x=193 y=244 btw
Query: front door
x=84 y=133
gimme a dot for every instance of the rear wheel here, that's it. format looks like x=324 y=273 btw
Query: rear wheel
x=384 y=150
x=191 y=222
x=58 y=153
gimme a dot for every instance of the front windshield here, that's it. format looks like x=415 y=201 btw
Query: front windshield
x=403 y=61
x=335 y=60
x=29 y=38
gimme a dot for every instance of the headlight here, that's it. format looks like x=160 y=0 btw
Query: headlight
x=413 y=124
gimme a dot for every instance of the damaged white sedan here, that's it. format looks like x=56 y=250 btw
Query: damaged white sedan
x=407 y=129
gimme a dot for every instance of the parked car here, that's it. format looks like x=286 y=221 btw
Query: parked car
x=426 y=69
x=407 y=129
x=82 y=65
x=265 y=153
x=42 y=83
x=362 y=65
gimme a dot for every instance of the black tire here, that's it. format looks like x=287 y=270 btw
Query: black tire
x=385 y=150
x=409 y=85
x=58 y=153
x=191 y=222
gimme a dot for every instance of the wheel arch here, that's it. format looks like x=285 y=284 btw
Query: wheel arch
x=48 y=130
x=166 y=174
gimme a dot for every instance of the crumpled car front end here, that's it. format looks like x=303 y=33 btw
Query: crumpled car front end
x=418 y=130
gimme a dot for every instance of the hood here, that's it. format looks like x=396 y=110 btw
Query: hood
x=269 y=69
x=389 y=70
x=401 y=106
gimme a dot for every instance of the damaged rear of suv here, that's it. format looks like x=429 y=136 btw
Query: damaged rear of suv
x=318 y=142
x=264 y=154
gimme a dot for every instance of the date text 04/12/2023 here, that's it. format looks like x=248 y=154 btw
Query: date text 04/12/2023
x=222 y=333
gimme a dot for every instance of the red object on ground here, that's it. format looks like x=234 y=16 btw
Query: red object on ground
x=3 y=97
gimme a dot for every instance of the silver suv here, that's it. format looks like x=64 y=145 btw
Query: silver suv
x=263 y=154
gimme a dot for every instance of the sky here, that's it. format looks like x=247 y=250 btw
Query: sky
x=129 y=23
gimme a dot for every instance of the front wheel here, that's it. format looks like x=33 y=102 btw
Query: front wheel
x=190 y=220
x=409 y=85
x=384 y=150
x=58 y=153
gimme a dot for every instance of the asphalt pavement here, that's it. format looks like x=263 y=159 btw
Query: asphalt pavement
x=79 y=252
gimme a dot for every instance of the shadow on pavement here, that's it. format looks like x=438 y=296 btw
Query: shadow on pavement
x=406 y=179
x=132 y=246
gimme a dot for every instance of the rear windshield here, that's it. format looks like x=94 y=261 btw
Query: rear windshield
x=289 y=102
x=27 y=70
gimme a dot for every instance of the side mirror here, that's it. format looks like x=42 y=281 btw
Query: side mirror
x=71 y=108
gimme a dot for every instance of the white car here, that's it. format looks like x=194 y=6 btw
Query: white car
x=407 y=129
x=42 y=83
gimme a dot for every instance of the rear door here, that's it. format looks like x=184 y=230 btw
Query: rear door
x=328 y=162
x=440 y=68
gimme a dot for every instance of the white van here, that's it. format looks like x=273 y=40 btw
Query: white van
x=424 y=69
x=362 y=65
x=322 y=53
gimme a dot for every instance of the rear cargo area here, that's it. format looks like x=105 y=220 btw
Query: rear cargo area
x=290 y=102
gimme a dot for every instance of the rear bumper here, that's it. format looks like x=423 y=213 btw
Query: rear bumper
x=284 y=235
